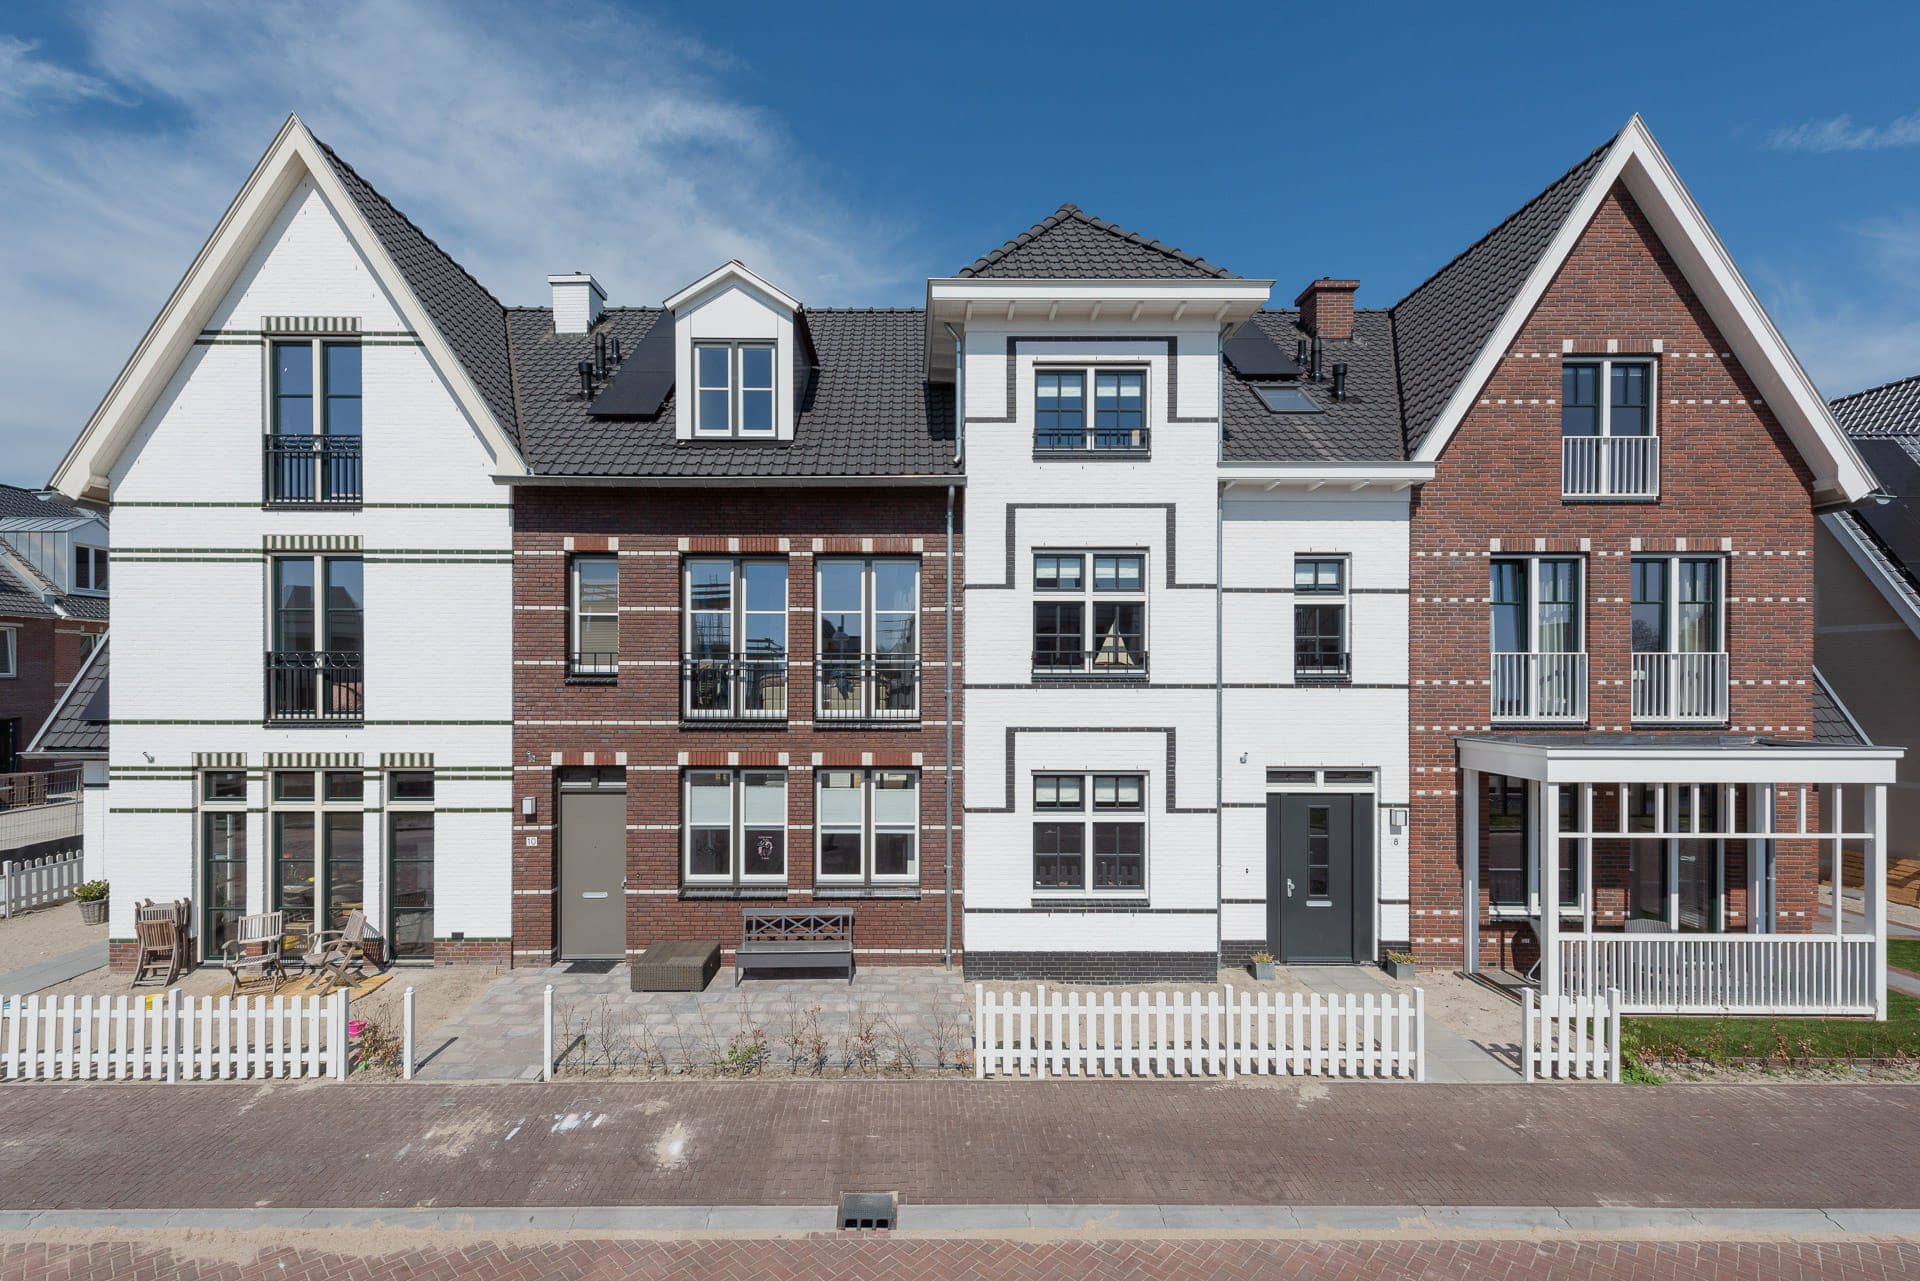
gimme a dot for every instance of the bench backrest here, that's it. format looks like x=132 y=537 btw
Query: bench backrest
x=779 y=924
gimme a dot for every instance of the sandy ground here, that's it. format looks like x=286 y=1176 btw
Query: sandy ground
x=32 y=937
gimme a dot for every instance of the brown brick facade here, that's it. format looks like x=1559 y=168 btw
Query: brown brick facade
x=635 y=722
x=47 y=656
x=1731 y=484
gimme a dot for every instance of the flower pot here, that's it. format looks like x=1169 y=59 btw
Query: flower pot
x=94 y=912
x=1398 y=969
x=1263 y=969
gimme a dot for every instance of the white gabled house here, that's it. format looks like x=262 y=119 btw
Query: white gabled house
x=312 y=558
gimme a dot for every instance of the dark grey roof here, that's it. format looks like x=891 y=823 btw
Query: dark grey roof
x=92 y=608
x=79 y=722
x=866 y=410
x=1071 y=245
x=20 y=597
x=28 y=581
x=1444 y=323
x=471 y=320
x=1892 y=409
x=1365 y=427
x=15 y=501
x=1831 y=725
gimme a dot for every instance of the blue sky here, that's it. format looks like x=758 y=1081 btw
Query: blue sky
x=850 y=152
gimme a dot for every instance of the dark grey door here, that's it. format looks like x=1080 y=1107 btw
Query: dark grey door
x=1319 y=877
x=593 y=872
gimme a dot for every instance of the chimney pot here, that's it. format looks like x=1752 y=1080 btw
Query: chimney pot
x=577 y=302
x=1326 y=308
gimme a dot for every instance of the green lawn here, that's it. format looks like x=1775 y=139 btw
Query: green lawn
x=1719 y=1039
x=1904 y=954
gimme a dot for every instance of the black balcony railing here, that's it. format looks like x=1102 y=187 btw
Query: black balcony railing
x=736 y=687
x=1113 y=658
x=870 y=688
x=1092 y=440
x=312 y=470
x=587 y=667
x=1313 y=661
x=315 y=685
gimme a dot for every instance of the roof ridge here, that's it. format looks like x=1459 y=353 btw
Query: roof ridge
x=1868 y=391
x=341 y=161
x=1070 y=211
x=1500 y=226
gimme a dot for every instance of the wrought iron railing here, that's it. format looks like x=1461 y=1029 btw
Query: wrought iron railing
x=591 y=666
x=735 y=687
x=1540 y=687
x=1610 y=466
x=312 y=470
x=1314 y=662
x=1113 y=659
x=869 y=688
x=315 y=685
x=1092 y=440
x=1680 y=687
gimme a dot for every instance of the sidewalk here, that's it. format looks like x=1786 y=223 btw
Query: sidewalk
x=54 y=970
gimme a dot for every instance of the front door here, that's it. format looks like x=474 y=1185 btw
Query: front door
x=593 y=870
x=1318 y=861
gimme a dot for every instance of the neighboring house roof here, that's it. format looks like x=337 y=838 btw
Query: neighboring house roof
x=1364 y=427
x=1071 y=245
x=1891 y=409
x=1445 y=322
x=471 y=319
x=32 y=503
x=1884 y=537
x=79 y=722
x=20 y=595
x=1833 y=724
x=866 y=410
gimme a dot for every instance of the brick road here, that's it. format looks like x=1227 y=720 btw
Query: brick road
x=931 y=1260
x=803 y=1143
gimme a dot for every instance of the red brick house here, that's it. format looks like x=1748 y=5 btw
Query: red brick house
x=731 y=623
x=1613 y=699
x=53 y=608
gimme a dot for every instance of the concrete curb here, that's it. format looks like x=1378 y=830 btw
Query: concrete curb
x=1226 y=1219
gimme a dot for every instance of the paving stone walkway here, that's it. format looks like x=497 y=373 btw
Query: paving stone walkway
x=1450 y=1056
x=54 y=970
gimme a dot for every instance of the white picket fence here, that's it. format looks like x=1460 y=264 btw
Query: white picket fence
x=167 y=1037
x=38 y=882
x=1570 y=1038
x=1037 y=1033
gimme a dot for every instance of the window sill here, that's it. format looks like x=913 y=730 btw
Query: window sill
x=285 y=504
x=1090 y=678
x=315 y=722
x=866 y=722
x=734 y=891
x=1585 y=499
x=733 y=722
x=593 y=678
x=1091 y=455
x=1090 y=904
x=1345 y=678
x=866 y=891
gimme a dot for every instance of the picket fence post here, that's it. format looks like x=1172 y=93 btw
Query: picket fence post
x=1613 y=1035
x=546 y=1036
x=406 y=1035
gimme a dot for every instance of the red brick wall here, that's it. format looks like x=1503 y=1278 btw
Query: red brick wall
x=650 y=526
x=47 y=657
x=1727 y=472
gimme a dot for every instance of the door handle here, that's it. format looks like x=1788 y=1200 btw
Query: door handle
x=1289 y=887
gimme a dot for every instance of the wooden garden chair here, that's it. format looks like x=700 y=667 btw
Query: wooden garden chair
x=159 y=949
x=330 y=952
x=254 y=956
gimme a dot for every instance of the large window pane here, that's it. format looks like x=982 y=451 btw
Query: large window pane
x=411 y=857
x=346 y=600
x=1056 y=633
x=293 y=621
x=1649 y=606
x=1506 y=856
x=345 y=867
x=224 y=844
x=341 y=362
x=756 y=389
x=1058 y=855
x=1508 y=612
x=1580 y=400
x=714 y=393
x=840 y=854
x=1699 y=606
x=294 y=848
x=1628 y=412
x=1559 y=606
x=293 y=388
x=710 y=798
x=1119 y=856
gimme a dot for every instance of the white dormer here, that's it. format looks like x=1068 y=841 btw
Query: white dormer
x=735 y=342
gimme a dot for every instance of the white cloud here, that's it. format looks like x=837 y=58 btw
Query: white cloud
x=1840 y=134
x=525 y=139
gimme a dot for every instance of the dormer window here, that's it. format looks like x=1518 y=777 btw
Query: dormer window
x=89 y=569
x=734 y=393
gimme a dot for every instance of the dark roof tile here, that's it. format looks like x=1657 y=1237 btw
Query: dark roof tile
x=1071 y=245
x=69 y=728
x=1892 y=409
x=1365 y=427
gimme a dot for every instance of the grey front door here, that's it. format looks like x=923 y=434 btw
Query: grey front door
x=1319 y=877
x=593 y=872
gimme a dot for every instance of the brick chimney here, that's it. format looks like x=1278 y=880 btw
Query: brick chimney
x=1326 y=308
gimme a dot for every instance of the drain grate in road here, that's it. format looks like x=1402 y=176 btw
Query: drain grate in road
x=869 y=1209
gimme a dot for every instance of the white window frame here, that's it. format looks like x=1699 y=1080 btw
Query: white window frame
x=1533 y=564
x=1089 y=429
x=868 y=828
x=576 y=617
x=736 y=839
x=9 y=651
x=869 y=658
x=1088 y=596
x=1086 y=816
x=95 y=558
x=1573 y=854
x=1606 y=364
x=1673 y=561
x=736 y=388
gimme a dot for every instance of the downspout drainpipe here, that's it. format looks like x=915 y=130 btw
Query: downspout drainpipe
x=959 y=437
x=1219 y=663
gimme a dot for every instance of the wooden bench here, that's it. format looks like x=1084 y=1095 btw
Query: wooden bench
x=778 y=938
x=677 y=965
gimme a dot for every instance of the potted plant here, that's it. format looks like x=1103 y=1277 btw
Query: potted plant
x=1399 y=965
x=1262 y=965
x=93 y=902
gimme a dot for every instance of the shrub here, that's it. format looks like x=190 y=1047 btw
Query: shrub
x=91 y=891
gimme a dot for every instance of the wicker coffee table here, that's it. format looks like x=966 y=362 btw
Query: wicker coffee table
x=677 y=965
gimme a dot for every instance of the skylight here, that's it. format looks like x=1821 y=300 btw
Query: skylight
x=1286 y=400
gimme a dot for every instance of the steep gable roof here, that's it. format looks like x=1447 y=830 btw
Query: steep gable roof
x=1445 y=322
x=473 y=321
x=1072 y=245
x=78 y=724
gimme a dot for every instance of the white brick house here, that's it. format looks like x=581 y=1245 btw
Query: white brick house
x=312 y=704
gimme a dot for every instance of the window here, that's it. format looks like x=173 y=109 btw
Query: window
x=1286 y=400
x=9 y=652
x=1093 y=624
x=410 y=864
x=1679 y=658
x=735 y=663
x=869 y=825
x=1320 y=618
x=319 y=848
x=1608 y=448
x=736 y=827
x=1099 y=814
x=315 y=666
x=869 y=647
x=89 y=569
x=223 y=858
x=1512 y=873
x=733 y=389
x=89 y=641
x=314 y=457
x=1119 y=410
x=1536 y=626
x=594 y=589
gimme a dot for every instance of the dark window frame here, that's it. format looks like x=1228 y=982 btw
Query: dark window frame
x=1087 y=831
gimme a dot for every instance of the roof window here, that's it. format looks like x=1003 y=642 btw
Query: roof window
x=1286 y=400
